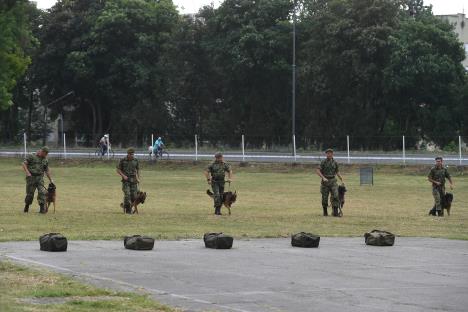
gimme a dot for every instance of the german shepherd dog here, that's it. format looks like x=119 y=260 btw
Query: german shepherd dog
x=446 y=203
x=140 y=199
x=228 y=198
x=50 y=196
x=341 y=196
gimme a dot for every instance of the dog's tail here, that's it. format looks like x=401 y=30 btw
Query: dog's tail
x=209 y=193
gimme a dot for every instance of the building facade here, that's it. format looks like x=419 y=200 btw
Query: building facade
x=460 y=22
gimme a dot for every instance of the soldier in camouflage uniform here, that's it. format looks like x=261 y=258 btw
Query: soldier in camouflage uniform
x=327 y=171
x=215 y=174
x=129 y=169
x=437 y=177
x=35 y=165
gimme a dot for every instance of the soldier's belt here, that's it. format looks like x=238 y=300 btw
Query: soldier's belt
x=331 y=177
x=36 y=174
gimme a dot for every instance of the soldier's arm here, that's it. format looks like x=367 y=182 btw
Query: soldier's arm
x=449 y=178
x=25 y=168
x=120 y=173
x=340 y=177
x=47 y=172
x=207 y=176
x=430 y=179
x=319 y=173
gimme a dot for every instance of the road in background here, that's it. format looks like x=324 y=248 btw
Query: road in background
x=269 y=157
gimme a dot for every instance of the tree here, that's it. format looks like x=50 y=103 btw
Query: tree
x=15 y=37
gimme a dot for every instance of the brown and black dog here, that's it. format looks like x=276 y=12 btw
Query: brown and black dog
x=140 y=199
x=51 y=196
x=341 y=196
x=228 y=198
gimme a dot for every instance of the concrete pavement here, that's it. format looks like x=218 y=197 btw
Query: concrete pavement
x=343 y=274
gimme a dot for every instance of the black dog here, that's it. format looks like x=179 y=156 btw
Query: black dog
x=446 y=202
x=341 y=196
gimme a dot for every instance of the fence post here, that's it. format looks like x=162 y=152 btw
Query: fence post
x=347 y=144
x=196 y=147
x=152 y=140
x=64 y=146
x=243 y=149
x=294 y=147
x=25 y=142
x=404 y=151
x=460 y=148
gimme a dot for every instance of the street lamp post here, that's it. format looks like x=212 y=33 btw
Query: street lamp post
x=294 y=81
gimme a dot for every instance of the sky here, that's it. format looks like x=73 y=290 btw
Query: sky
x=440 y=7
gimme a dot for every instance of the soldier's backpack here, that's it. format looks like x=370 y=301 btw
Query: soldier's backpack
x=379 y=238
x=305 y=240
x=138 y=242
x=218 y=240
x=53 y=242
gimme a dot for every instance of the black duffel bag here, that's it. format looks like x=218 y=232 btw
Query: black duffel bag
x=305 y=240
x=218 y=240
x=53 y=242
x=138 y=242
x=379 y=238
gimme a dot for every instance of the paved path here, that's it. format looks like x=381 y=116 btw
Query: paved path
x=417 y=274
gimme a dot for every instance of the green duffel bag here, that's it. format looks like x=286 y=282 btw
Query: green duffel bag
x=53 y=242
x=218 y=240
x=379 y=238
x=138 y=242
x=305 y=240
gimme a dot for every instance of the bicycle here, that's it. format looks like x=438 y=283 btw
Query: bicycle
x=160 y=154
x=98 y=152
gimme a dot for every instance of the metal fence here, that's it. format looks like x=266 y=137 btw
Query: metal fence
x=392 y=150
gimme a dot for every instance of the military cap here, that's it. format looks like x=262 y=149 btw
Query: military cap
x=45 y=149
x=218 y=155
x=130 y=150
x=329 y=150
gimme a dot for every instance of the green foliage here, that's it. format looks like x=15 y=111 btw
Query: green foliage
x=15 y=37
x=365 y=68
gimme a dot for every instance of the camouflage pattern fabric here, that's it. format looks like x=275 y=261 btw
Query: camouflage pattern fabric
x=439 y=175
x=329 y=168
x=330 y=188
x=33 y=183
x=36 y=166
x=129 y=187
x=218 y=171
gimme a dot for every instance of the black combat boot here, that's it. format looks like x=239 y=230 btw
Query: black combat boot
x=26 y=208
x=325 y=211
x=440 y=213
x=128 y=209
x=432 y=212
x=42 y=208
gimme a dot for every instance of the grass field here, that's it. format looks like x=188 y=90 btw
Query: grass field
x=23 y=289
x=273 y=201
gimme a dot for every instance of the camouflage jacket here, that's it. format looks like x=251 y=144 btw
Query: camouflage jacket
x=439 y=175
x=36 y=165
x=218 y=170
x=329 y=168
x=129 y=167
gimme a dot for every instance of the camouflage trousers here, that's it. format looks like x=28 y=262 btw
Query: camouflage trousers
x=437 y=193
x=33 y=183
x=130 y=190
x=330 y=188
x=218 y=191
